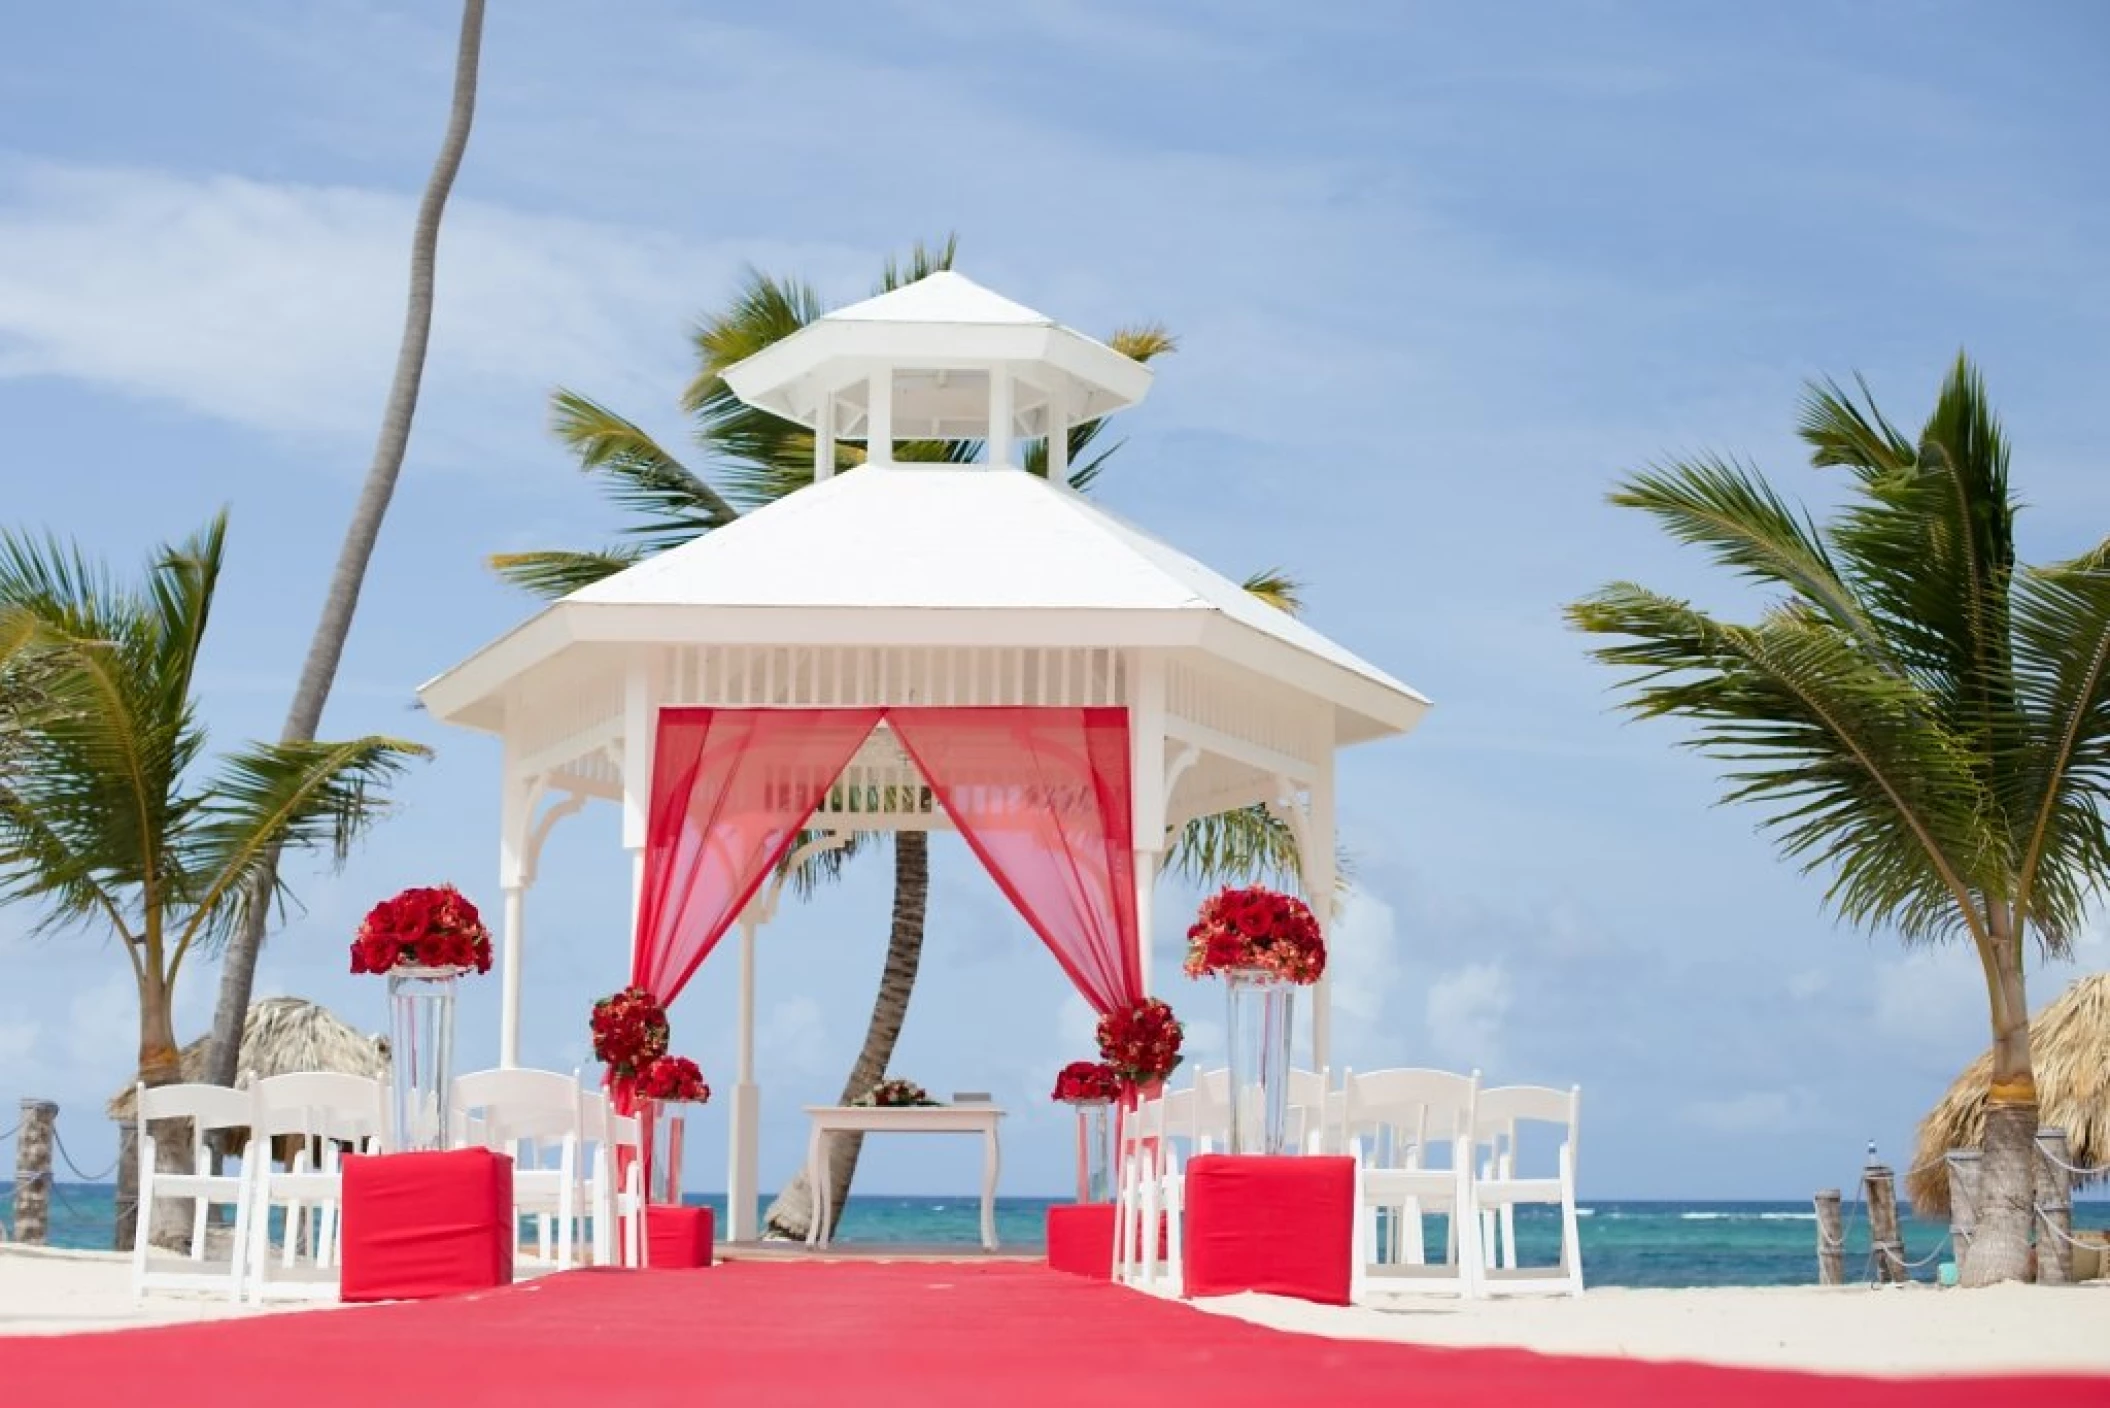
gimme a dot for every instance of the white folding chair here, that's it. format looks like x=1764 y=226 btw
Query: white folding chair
x=1151 y=1192
x=1499 y=1187
x=327 y=1113
x=537 y=1118
x=1428 y=1119
x=615 y=1195
x=205 y=1108
x=1206 y=1122
x=1306 y=1117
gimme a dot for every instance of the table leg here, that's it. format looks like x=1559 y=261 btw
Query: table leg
x=989 y=1170
x=817 y=1185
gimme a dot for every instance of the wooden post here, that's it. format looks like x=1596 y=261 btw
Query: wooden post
x=33 y=1170
x=2054 y=1214
x=1964 y=1175
x=1831 y=1240
x=1881 y=1190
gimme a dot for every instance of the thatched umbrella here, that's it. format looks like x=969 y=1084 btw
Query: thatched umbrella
x=2069 y=1043
x=283 y=1034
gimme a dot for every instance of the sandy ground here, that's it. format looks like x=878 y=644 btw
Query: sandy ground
x=1908 y=1330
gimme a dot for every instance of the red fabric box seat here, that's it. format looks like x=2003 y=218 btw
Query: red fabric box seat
x=1284 y=1226
x=426 y=1224
x=678 y=1238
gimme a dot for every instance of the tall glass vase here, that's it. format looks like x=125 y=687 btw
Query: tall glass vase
x=1095 y=1150
x=662 y=1131
x=1257 y=1031
x=421 y=1053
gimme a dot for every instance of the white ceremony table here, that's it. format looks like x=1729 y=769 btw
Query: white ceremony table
x=898 y=1119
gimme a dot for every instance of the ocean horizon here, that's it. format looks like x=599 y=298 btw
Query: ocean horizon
x=1626 y=1242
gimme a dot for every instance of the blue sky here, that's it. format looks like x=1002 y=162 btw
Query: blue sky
x=1440 y=275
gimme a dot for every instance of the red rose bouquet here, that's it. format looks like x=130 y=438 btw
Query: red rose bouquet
x=629 y=1032
x=1084 y=1082
x=1141 y=1043
x=424 y=927
x=673 y=1078
x=1260 y=929
x=895 y=1091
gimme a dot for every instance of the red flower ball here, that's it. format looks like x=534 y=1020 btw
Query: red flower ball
x=1084 y=1081
x=629 y=1032
x=1256 y=929
x=673 y=1078
x=1142 y=1042
x=423 y=927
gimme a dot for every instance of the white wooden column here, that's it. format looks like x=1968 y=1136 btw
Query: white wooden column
x=879 y=418
x=640 y=735
x=1059 y=433
x=1146 y=781
x=515 y=809
x=743 y=1150
x=824 y=438
x=1320 y=892
x=1001 y=400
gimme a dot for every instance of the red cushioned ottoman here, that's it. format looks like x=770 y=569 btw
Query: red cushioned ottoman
x=1284 y=1226
x=1081 y=1239
x=678 y=1238
x=429 y=1224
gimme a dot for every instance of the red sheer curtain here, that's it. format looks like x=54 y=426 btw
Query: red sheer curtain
x=1041 y=795
x=730 y=790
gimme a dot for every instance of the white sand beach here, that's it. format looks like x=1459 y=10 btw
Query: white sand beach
x=1914 y=1330
x=1907 y=1330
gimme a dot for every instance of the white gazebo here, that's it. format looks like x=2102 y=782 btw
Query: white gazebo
x=904 y=585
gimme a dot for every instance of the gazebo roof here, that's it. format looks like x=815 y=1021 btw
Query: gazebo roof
x=934 y=555
x=940 y=334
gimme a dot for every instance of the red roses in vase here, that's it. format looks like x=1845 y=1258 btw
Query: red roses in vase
x=1258 y=930
x=432 y=927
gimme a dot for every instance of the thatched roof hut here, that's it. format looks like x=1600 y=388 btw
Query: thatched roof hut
x=2070 y=1046
x=283 y=1034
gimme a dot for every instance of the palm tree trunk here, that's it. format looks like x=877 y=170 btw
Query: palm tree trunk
x=160 y=1063
x=238 y=974
x=2007 y=1205
x=791 y=1215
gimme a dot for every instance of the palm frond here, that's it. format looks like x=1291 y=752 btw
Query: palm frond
x=1244 y=845
x=2059 y=755
x=822 y=867
x=923 y=261
x=1277 y=588
x=1145 y=344
x=274 y=796
x=671 y=501
x=556 y=574
x=1856 y=766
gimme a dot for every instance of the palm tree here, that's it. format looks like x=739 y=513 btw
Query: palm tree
x=759 y=458
x=326 y=648
x=1923 y=717
x=105 y=823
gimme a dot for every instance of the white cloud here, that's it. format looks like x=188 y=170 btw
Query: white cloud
x=1750 y=1113
x=279 y=306
x=1465 y=1012
x=1809 y=983
x=1933 y=999
x=18 y=1039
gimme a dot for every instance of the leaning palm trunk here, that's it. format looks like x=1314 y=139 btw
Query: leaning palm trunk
x=2007 y=1203
x=791 y=1215
x=168 y=1224
x=304 y=718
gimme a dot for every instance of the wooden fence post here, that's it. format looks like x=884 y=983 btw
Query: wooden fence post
x=1965 y=1172
x=33 y=1170
x=2054 y=1210
x=1831 y=1240
x=1881 y=1191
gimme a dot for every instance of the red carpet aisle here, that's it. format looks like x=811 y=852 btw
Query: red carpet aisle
x=752 y=1333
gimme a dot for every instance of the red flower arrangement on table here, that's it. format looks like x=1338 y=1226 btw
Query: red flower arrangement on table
x=1142 y=1042
x=423 y=927
x=1086 y=1083
x=1256 y=930
x=673 y=1078
x=629 y=1032
x=894 y=1091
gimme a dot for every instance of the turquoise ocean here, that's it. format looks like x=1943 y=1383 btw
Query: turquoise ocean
x=1624 y=1243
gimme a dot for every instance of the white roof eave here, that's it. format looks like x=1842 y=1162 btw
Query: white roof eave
x=471 y=693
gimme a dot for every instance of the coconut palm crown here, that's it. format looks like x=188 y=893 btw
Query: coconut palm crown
x=109 y=821
x=1923 y=718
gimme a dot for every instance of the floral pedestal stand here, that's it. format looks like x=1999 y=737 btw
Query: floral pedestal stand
x=1095 y=1150
x=421 y=1052
x=1261 y=1010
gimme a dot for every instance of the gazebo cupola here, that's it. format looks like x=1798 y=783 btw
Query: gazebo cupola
x=939 y=359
